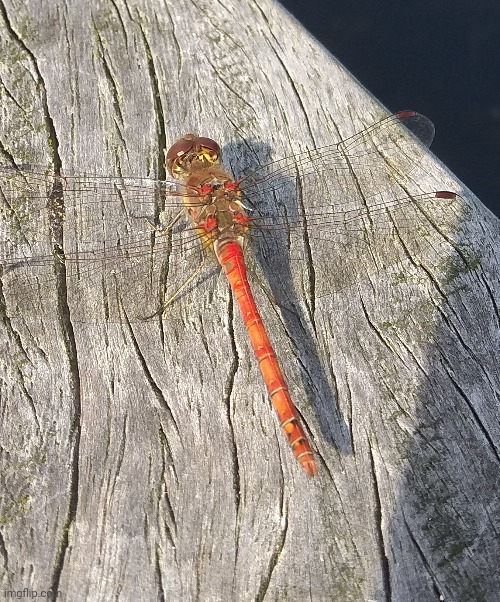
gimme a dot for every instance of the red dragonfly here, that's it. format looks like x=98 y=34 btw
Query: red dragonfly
x=53 y=220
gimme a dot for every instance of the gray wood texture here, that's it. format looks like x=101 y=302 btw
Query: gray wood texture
x=142 y=460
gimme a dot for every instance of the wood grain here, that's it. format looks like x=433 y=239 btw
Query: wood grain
x=142 y=460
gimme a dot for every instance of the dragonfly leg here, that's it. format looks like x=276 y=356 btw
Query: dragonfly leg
x=163 y=229
x=186 y=283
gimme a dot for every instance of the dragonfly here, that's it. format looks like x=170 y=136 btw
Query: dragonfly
x=142 y=232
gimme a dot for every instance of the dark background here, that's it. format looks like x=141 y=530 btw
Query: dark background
x=438 y=57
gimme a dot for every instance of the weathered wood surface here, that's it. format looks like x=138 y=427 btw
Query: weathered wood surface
x=143 y=460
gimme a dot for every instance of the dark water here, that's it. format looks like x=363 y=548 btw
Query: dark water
x=439 y=58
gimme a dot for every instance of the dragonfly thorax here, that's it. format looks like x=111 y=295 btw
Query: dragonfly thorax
x=212 y=198
x=217 y=213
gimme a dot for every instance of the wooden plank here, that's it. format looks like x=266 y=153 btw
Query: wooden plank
x=143 y=459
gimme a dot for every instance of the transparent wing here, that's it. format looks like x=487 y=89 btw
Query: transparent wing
x=343 y=207
x=105 y=228
x=348 y=242
x=337 y=206
x=369 y=161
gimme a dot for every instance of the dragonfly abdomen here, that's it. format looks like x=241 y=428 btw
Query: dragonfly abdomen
x=230 y=256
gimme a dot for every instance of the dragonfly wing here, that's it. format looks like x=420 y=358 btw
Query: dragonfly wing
x=366 y=163
x=393 y=146
x=96 y=236
x=351 y=242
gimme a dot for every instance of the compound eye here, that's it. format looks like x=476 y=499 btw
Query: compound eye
x=190 y=148
x=179 y=149
x=209 y=144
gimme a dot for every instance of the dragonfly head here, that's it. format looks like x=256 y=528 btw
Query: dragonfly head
x=189 y=153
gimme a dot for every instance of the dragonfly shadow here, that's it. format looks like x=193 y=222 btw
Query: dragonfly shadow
x=275 y=276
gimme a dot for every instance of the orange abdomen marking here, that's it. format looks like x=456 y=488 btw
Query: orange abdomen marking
x=232 y=260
